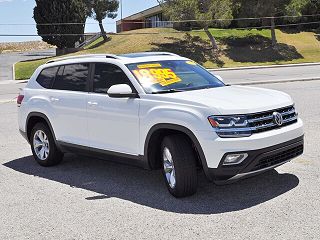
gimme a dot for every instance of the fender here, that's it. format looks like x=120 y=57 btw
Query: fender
x=188 y=132
x=44 y=117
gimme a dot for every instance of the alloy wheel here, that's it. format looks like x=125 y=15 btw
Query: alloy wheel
x=41 y=145
x=168 y=166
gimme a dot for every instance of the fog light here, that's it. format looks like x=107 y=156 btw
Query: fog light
x=236 y=158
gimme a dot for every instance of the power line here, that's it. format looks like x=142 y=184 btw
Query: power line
x=49 y=24
x=168 y=22
x=233 y=19
x=119 y=34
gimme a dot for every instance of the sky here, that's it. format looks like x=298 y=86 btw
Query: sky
x=21 y=12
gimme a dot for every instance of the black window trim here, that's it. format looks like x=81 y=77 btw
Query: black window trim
x=88 y=77
x=93 y=68
x=60 y=66
x=54 y=79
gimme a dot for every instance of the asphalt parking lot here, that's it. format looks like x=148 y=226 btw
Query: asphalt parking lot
x=86 y=198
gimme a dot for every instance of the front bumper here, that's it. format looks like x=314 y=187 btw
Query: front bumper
x=258 y=161
x=214 y=147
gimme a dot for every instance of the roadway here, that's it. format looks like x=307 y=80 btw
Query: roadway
x=270 y=74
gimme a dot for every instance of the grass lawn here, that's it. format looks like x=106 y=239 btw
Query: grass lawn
x=237 y=47
x=225 y=33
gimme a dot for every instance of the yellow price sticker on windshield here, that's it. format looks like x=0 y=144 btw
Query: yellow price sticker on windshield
x=149 y=65
x=163 y=76
x=191 y=63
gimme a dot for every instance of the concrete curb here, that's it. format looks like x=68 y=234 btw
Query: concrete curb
x=5 y=82
x=14 y=71
x=263 y=67
x=277 y=81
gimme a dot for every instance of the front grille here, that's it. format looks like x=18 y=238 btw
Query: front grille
x=278 y=158
x=264 y=121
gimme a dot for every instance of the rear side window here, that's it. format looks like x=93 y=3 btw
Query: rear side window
x=72 y=77
x=47 y=76
x=106 y=75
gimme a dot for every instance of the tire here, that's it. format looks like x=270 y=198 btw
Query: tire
x=184 y=166
x=42 y=136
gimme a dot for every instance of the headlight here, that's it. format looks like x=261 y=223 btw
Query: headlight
x=230 y=126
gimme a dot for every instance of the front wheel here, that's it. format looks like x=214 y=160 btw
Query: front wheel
x=179 y=166
x=43 y=146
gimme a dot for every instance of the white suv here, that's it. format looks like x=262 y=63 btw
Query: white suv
x=159 y=111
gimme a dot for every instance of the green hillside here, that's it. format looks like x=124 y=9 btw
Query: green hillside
x=237 y=47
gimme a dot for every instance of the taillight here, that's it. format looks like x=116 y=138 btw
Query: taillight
x=20 y=99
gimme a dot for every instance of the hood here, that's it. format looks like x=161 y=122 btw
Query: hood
x=233 y=99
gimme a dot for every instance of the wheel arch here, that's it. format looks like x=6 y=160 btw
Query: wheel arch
x=35 y=117
x=156 y=134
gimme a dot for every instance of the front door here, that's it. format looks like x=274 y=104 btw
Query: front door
x=113 y=123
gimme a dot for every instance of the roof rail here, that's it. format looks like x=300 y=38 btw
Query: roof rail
x=84 y=56
x=161 y=53
x=146 y=54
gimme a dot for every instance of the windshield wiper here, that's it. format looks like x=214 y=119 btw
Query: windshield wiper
x=168 y=91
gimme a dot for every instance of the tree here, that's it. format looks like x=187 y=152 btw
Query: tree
x=298 y=7
x=100 y=9
x=267 y=9
x=52 y=18
x=203 y=11
x=209 y=10
x=311 y=7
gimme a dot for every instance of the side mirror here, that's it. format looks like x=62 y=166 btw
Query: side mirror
x=121 y=91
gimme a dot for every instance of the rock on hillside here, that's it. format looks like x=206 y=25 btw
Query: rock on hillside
x=23 y=46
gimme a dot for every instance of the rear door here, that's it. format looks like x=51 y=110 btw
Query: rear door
x=68 y=99
x=113 y=123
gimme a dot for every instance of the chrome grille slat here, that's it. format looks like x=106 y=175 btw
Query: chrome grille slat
x=288 y=113
x=261 y=122
x=260 y=119
x=270 y=117
x=273 y=124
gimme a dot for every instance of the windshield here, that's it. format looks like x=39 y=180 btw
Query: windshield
x=173 y=76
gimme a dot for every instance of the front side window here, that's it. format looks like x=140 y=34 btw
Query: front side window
x=106 y=75
x=47 y=76
x=173 y=75
x=72 y=77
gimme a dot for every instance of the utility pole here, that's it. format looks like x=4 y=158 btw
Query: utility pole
x=121 y=13
x=121 y=9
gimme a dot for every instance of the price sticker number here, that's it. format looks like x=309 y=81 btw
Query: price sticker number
x=163 y=76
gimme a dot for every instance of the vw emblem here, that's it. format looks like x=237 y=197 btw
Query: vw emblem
x=277 y=118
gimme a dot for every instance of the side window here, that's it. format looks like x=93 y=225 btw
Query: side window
x=47 y=76
x=72 y=77
x=106 y=75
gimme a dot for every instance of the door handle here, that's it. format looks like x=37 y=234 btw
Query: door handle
x=92 y=104
x=52 y=99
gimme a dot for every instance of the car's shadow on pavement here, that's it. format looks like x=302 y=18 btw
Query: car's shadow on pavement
x=106 y=180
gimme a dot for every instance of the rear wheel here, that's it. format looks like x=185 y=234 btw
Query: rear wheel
x=43 y=146
x=179 y=166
